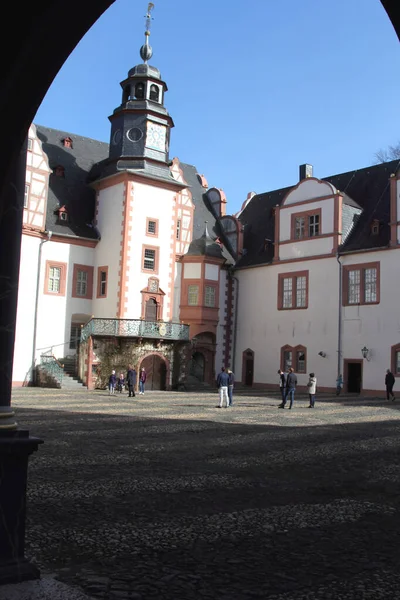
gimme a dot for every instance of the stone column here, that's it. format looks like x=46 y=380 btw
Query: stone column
x=15 y=444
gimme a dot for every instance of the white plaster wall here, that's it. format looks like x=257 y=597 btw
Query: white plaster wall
x=177 y=292
x=376 y=326
x=221 y=328
x=211 y=272
x=55 y=312
x=305 y=248
x=265 y=329
x=309 y=189
x=107 y=253
x=327 y=217
x=25 y=309
x=150 y=202
x=192 y=271
x=398 y=208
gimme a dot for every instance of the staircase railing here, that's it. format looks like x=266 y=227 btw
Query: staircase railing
x=52 y=366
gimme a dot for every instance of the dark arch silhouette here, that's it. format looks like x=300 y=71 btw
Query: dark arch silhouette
x=39 y=40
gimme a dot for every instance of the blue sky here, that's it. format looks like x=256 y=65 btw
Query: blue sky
x=255 y=88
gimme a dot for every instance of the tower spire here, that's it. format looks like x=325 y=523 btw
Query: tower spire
x=146 y=51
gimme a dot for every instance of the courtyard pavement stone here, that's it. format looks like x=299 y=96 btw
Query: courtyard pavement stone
x=167 y=496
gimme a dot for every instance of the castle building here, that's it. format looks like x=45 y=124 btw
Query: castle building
x=128 y=257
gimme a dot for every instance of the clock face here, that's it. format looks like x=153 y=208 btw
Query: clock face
x=156 y=136
x=135 y=134
x=116 y=138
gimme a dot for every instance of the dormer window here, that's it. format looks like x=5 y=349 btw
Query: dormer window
x=59 y=171
x=139 y=91
x=306 y=225
x=30 y=144
x=67 y=142
x=63 y=214
x=375 y=227
x=154 y=93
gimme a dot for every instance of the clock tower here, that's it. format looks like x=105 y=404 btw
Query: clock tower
x=140 y=126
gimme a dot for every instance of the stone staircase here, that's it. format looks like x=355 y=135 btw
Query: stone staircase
x=70 y=380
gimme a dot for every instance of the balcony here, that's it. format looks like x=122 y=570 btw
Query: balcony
x=138 y=328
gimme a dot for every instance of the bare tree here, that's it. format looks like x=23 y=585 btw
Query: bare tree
x=391 y=153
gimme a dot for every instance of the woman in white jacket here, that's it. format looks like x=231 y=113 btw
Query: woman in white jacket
x=312 y=389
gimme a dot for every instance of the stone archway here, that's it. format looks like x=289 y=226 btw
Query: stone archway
x=156 y=369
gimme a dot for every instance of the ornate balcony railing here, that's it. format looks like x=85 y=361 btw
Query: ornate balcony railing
x=161 y=330
x=52 y=366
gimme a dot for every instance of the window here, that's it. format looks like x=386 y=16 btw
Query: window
x=178 y=229
x=102 y=280
x=55 y=278
x=154 y=93
x=294 y=357
x=361 y=284
x=67 y=142
x=150 y=259
x=209 y=296
x=396 y=360
x=193 y=295
x=375 y=227
x=293 y=290
x=306 y=225
x=152 y=227
x=75 y=335
x=63 y=216
x=30 y=144
x=82 y=282
x=26 y=195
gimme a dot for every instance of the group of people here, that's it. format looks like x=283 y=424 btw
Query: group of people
x=288 y=384
x=121 y=382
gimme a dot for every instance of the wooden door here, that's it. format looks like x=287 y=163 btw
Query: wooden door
x=156 y=370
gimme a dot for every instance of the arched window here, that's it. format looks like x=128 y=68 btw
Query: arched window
x=154 y=93
x=151 y=310
x=126 y=94
x=139 y=91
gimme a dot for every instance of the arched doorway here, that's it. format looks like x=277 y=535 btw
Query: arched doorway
x=198 y=365
x=248 y=367
x=156 y=370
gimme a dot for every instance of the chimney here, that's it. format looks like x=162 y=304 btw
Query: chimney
x=305 y=171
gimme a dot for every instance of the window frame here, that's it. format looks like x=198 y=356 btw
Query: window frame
x=155 y=221
x=89 y=284
x=295 y=361
x=101 y=270
x=52 y=264
x=362 y=268
x=29 y=146
x=294 y=276
x=214 y=288
x=317 y=212
x=156 y=259
x=197 y=286
x=393 y=354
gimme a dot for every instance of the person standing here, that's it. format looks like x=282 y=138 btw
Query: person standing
x=312 y=389
x=282 y=383
x=120 y=383
x=389 y=383
x=112 y=380
x=231 y=383
x=131 y=381
x=142 y=380
x=222 y=385
x=291 y=383
x=339 y=384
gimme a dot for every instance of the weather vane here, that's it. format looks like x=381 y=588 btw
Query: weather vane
x=146 y=51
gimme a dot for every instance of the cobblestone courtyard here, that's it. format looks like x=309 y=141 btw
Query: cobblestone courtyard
x=165 y=496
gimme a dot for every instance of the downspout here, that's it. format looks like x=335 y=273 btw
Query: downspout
x=339 y=350
x=235 y=320
x=33 y=370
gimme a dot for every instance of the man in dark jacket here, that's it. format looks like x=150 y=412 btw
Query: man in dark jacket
x=291 y=383
x=131 y=381
x=389 y=382
x=222 y=384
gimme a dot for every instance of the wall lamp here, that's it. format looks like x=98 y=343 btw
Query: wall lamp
x=323 y=354
x=365 y=353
